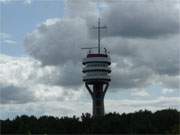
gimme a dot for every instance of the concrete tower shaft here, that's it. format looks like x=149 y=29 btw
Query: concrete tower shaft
x=97 y=94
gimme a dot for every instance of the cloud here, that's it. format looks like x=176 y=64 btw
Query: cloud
x=70 y=108
x=15 y=95
x=80 y=8
x=166 y=91
x=5 y=0
x=143 y=62
x=129 y=105
x=70 y=75
x=58 y=42
x=4 y=35
x=24 y=1
x=27 y=1
x=143 y=39
x=140 y=93
x=63 y=108
x=25 y=80
x=23 y=71
x=144 y=19
x=137 y=62
x=127 y=77
x=170 y=82
x=6 y=39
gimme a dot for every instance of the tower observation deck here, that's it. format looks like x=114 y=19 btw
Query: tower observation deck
x=96 y=70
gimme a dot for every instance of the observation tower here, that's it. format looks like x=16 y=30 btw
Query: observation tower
x=96 y=69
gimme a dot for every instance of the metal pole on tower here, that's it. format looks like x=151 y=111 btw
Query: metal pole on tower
x=99 y=35
x=99 y=27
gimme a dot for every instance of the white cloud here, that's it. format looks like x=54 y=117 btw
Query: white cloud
x=130 y=105
x=70 y=108
x=4 y=35
x=5 y=0
x=23 y=1
x=27 y=1
x=7 y=38
x=167 y=91
x=60 y=39
x=140 y=93
x=7 y=41
x=51 y=21
x=25 y=80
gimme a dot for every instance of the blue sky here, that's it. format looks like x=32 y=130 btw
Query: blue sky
x=19 y=18
x=40 y=55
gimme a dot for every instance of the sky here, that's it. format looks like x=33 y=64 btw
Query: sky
x=40 y=55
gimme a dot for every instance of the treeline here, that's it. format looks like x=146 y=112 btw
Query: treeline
x=144 y=121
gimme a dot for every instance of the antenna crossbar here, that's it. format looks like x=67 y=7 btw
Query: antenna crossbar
x=89 y=47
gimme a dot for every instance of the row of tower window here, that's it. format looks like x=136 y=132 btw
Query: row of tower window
x=97 y=65
x=97 y=70
x=96 y=73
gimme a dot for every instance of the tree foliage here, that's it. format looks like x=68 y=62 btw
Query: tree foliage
x=144 y=121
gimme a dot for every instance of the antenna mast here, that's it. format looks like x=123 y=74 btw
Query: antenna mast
x=99 y=27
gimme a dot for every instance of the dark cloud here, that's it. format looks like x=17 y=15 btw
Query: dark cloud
x=126 y=76
x=170 y=82
x=137 y=61
x=70 y=75
x=80 y=8
x=144 y=18
x=162 y=56
x=15 y=95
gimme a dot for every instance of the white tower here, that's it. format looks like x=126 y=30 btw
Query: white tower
x=97 y=69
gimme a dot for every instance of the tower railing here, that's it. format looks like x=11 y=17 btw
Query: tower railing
x=95 y=51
